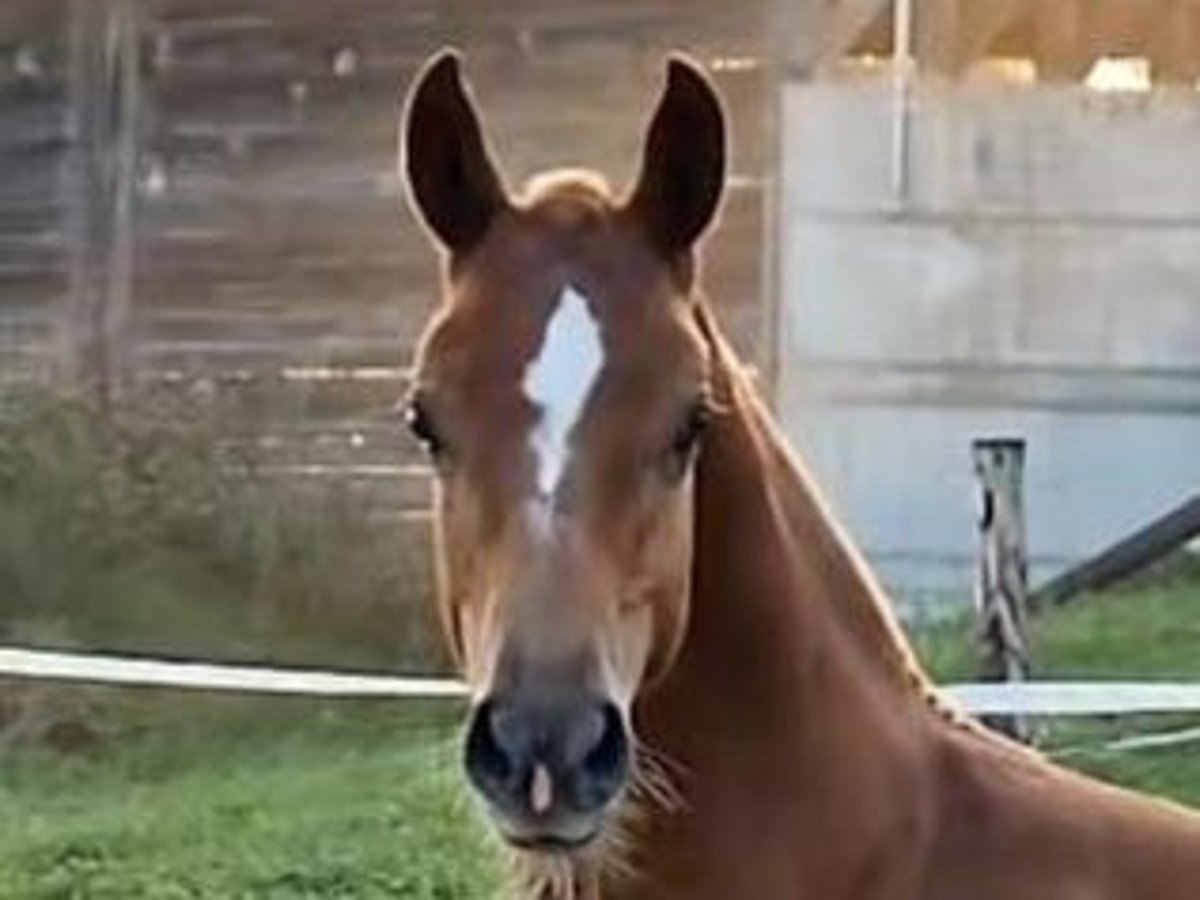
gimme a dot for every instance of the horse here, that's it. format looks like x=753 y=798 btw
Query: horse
x=684 y=680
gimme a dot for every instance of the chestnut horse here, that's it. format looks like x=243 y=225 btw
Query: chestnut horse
x=685 y=682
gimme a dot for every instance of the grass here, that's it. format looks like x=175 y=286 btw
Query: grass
x=312 y=802
x=238 y=798
x=1149 y=628
x=127 y=533
x=139 y=530
x=1146 y=629
x=156 y=527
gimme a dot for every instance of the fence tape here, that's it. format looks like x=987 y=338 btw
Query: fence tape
x=119 y=670
x=1034 y=698
x=1076 y=698
x=1131 y=743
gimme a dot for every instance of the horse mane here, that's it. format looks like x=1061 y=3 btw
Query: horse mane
x=864 y=606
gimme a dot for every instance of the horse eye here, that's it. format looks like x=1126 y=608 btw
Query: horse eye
x=688 y=432
x=419 y=422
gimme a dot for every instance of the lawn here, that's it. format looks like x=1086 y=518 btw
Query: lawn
x=1149 y=629
x=252 y=799
x=235 y=798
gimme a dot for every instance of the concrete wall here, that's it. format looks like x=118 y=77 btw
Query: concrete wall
x=1041 y=278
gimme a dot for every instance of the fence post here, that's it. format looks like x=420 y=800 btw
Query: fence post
x=1002 y=591
x=102 y=185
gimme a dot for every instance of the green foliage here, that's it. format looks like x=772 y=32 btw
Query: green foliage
x=352 y=802
x=1147 y=628
x=146 y=529
x=205 y=797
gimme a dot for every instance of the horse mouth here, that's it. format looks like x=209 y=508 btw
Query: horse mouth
x=565 y=835
x=564 y=844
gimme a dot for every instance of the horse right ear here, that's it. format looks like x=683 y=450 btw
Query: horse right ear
x=445 y=160
x=683 y=161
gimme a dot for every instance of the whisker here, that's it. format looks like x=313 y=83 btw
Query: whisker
x=613 y=856
x=660 y=757
x=652 y=778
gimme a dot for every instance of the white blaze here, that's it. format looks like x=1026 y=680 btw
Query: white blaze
x=559 y=380
x=541 y=790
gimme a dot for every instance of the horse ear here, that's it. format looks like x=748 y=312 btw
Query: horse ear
x=683 y=162
x=445 y=159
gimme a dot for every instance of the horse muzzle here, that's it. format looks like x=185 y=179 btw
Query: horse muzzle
x=548 y=771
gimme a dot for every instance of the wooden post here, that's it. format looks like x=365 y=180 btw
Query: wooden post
x=1002 y=593
x=101 y=184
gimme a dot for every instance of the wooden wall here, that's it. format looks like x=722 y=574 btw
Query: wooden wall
x=271 y=262
x=33 y=211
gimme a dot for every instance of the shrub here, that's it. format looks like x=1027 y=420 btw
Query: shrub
x=147 y=528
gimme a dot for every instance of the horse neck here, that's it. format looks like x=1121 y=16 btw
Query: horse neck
x=786 y=627
x=810 y=584
x=794 y=704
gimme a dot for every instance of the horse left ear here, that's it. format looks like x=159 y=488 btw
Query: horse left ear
x=683 y=162
x=452 y=180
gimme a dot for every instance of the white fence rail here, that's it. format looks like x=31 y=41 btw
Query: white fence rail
x=135 y=671
x=1076 y=698
x=1045 y=698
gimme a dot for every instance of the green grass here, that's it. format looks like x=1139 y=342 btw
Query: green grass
x=237 y=798
x=251 y=801
x=1148 y=629
x=138 y=529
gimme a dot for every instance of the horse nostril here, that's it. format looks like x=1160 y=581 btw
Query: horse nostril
x=525 y=757
x=488 y=762
x=605 y=763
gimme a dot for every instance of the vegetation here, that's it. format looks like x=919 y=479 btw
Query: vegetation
x=148 y=529
x=134 y=533
x=247 y=799
x=1148 y=628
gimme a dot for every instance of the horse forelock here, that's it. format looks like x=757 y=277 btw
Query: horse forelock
x=584 y=188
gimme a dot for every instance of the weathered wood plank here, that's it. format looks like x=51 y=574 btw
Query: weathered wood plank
x=103 y=166
x=1175 y=44
x=21 y=19
x=1061 y=48
x=304 y=403
x=21 y=285
x=270 y=230
x=34 y=184
x=1129 y=555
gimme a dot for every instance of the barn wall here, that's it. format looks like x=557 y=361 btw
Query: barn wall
x=1039 y=279
x=34 y=144
x=274 y=264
